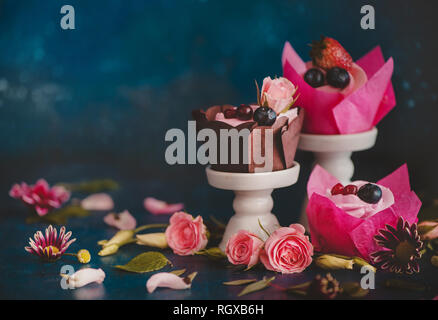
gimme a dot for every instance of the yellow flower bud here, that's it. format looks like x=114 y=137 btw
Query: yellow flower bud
x=84 y=256
x=111 y=246
x=330 y=262
x=107 y=250
x=156 y=240
x=121 y=237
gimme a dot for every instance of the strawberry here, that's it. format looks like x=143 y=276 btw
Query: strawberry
x=328 y=53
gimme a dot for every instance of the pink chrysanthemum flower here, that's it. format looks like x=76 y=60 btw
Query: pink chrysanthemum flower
x=40 y=196
x=51 y=246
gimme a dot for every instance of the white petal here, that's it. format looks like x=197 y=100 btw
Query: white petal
x=85 y=276
x=167 y=280
x=98 y=202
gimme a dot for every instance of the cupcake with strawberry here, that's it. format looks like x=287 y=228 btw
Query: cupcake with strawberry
x=340 y=96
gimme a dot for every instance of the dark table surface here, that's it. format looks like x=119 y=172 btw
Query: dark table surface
x=24 y=276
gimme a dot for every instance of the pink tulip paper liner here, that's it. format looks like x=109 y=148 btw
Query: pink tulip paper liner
x=331 y=112
x=333 y=230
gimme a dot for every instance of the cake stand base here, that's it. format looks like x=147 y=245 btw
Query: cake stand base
x=333 y=153
x=253 y=201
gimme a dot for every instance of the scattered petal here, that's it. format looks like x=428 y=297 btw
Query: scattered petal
x=85 y=276
x=156 y=206
x=167 y=280
x=122 y=221
x=98 y=202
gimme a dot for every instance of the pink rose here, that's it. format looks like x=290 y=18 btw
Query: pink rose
x=287 y=250
x=277 y=93
x=244 y=248
x=186 y=235
x=40 y=196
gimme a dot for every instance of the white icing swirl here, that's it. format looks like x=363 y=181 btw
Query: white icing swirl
x=355 y=207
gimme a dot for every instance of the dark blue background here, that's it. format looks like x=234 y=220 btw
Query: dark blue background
x=96 y=101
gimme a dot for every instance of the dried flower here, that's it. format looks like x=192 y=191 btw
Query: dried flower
x=50 y=247
x=401 y=248
x=324 y=287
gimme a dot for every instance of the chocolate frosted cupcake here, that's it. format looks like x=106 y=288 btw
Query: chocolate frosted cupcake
x=265 y=135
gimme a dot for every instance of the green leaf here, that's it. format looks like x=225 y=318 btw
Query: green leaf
x=404 y=285
x=61 y=216
x=178 y=272
x=214 y=253
x=92 y=186
x=145 y=262
x=239 y=282
x=354 y=290
x=191 y=276
x=301 y=286
x=256 y=286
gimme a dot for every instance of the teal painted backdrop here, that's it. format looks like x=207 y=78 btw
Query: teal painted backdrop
x=96 y=101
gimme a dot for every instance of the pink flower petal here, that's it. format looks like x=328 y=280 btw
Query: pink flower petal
x=122 y=221
x=85 y=276
x=156 y=206
x=98 y=202
x=16 y=191
x=167 y=280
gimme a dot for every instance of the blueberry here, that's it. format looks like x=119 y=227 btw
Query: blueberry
x=370 y=193
x=338 y=77
x=244 y=112
x=314 y=77
x=264 y=116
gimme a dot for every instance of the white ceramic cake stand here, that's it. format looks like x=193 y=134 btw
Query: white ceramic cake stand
x=333 y=153
x=253 y=201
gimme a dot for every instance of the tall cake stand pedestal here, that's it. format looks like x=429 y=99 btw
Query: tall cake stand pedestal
x=253 y=201
x=333 y=153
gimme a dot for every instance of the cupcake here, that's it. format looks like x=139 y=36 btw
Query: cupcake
x=340 y=96
x=347 y=219
x=268 y=131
